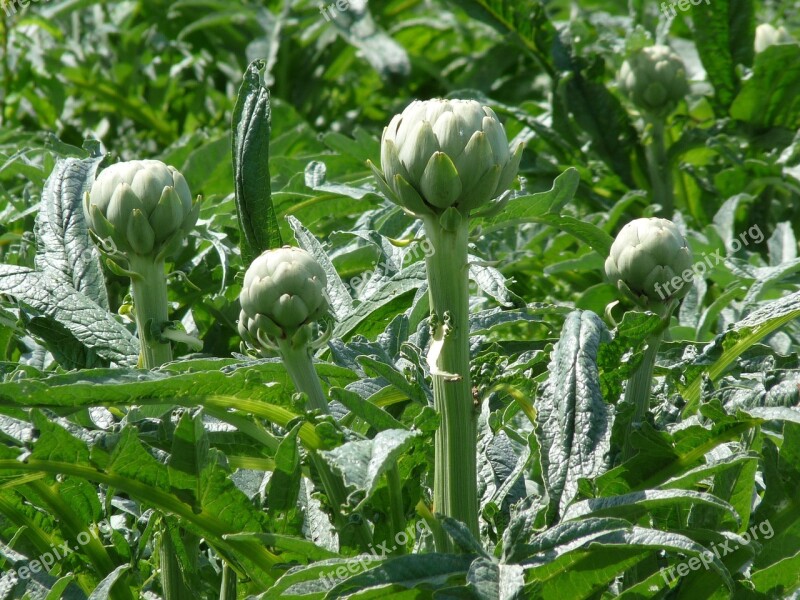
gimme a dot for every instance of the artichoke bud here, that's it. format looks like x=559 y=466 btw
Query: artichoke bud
x=141 y=205
x=442 y=154
x=651 y=259
x=654 y=79
x=283 y=293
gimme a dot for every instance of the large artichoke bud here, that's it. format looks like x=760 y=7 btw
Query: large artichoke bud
x=439 y=154
x=767 y=35
x=141 y=205
x=651 y=260
x=283 y=294
x=654 y=78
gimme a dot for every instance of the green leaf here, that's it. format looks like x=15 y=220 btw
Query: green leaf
x=529 y=207
x=284 y=485
x=750 y=330
x=374 y=415
x=189 y=457
x=724 y=35
x=103 y=591
x=88 y=322
x=777 y=69
x=573 y=424
x=637 y=504
x=431 y=571
x=65 y=252
x=250 y=130
x=361 y=463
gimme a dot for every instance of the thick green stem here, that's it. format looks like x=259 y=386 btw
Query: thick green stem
x=455 y=490
x=396 y=513
x=149 y=288
x=300 y=365
x=301 y=369
x=228 y=588
x=637 y=393
x=658 y=168
x=172 y=585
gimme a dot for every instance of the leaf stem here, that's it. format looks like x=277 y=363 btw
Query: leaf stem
x=396 y=512
x=149 y=288
x=455 y=490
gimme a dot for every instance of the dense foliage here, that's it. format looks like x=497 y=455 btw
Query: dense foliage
x=291 y=433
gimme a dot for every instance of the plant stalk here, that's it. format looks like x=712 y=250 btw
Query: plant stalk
x=228 y=588
x=455 y=490
x=396 y=513
x=172 y=584
x=300 y=365
x=151 y=309
x=658 y=167
x=637 y=392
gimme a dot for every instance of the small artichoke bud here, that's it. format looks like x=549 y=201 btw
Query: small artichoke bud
x=651 y=259
x=767 y=35
x=441 y=154
x=142 y=205
x=654 y=78
x=283 y=293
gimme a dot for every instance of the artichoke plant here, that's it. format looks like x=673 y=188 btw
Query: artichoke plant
x=654 y=78
x=142 y=206
x=651 y=259
x=439 y=154
x=282 y=298
x=441 y=160
x=651 y=262
x=139 y=211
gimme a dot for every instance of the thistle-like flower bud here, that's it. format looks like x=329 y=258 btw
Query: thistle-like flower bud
x=767 y=35
x=142 y=205
x=651 y=260
x=439 y=154
x=283 y=293
x=654 y=78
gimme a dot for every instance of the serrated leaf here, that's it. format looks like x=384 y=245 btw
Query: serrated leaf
x=573 y=424
x=362 y=462
x=65 y=252
x=92 y=325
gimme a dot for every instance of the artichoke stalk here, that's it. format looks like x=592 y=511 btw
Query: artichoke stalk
x=654 y=79
x=140 y=211
x=650 y=262
x=441 y=160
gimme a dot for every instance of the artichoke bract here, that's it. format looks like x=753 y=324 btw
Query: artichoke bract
x=654 y=78
x=767 y=35
x=283 y=293
x=439 y=154
x=141 y=205
x=651 y=259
